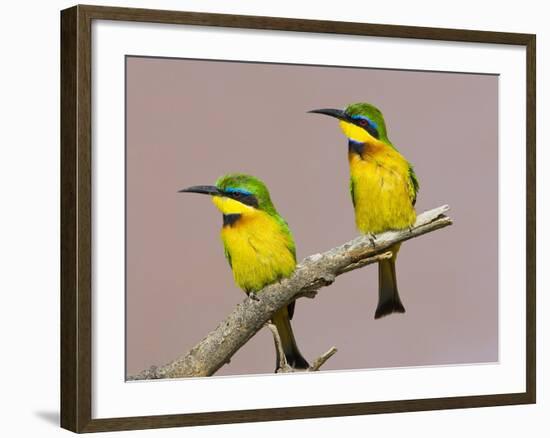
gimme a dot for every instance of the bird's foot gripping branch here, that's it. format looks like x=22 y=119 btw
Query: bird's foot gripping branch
x=313 y=273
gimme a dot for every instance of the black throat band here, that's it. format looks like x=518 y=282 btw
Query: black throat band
x=356 y=147
x=230 y=219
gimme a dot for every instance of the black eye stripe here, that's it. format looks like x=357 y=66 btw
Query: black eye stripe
x=249 y=200
x=244 y=198
x=365 y=124
x=372 y=130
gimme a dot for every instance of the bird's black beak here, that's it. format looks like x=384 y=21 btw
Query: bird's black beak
x=205 y=190
x=339 y=114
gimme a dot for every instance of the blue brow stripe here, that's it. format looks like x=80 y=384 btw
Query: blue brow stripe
x=237 y=190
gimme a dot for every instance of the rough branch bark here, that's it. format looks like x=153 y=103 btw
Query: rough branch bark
x=313 y=273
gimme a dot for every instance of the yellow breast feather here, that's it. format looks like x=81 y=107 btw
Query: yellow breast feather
x=257 y=246
x=381 y=189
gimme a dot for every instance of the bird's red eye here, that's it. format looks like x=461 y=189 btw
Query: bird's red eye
x=363 y=122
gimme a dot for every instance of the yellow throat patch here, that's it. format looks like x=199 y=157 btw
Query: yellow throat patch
x=355 y=133
x=230 y=206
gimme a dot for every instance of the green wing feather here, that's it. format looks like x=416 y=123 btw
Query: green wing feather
x=414 y=184
x=292 y=248
x=227 y=255
x=286 y=230
x=352 y=191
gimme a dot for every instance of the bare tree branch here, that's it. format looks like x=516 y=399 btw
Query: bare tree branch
x=320 y=361
x=313 y=273
x=283 y=366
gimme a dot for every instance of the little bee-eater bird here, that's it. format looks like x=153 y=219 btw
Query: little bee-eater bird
x=258 y=245
x=383 y=188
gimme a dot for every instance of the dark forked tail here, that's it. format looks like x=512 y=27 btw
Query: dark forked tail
x=293 y=356
x=388 y=295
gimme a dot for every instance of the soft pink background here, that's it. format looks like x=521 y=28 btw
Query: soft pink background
x=189 y=122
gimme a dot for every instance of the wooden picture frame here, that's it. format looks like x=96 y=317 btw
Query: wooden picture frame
x=76 y=217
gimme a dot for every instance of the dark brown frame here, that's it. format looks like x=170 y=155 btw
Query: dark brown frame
x=76 y=238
